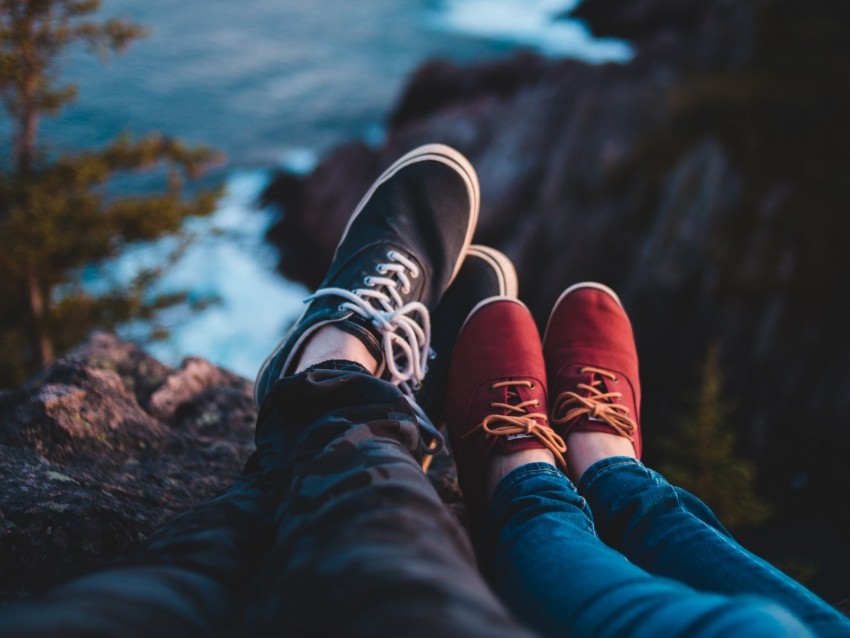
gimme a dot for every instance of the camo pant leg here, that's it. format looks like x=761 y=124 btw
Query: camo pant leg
x=363 y=544
x=188 y=580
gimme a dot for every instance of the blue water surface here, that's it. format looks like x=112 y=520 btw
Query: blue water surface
x=273 y=82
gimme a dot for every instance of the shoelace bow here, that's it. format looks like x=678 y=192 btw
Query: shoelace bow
x=520 y=420
x=598 y=405
x=405 y=342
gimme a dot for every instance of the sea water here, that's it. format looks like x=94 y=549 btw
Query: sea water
x=271 y=83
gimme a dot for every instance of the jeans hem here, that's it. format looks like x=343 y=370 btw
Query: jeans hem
x=514 y=476
x=601 y=467
x=343 y=365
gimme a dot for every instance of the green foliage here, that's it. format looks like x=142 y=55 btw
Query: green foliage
x=702 y=458
x=58 y=216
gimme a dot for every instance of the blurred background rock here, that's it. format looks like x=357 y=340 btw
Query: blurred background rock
x=706 y=180
x=694 y=158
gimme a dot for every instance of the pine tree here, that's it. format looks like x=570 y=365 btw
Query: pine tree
x=58 y=216
x=702 y=457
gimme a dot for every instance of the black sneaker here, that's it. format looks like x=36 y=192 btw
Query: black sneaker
x=485 y=273
x=402 y=248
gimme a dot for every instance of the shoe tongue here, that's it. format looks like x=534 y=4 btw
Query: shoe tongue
x=509 y=443
x=588 y=422
x=364 y=263
x=518 y=442
x=591 y=378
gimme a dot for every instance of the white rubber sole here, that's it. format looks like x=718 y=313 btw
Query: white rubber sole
x=501 y=265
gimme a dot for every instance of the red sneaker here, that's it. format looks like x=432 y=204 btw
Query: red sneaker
x=496 y=396
x=592 y=364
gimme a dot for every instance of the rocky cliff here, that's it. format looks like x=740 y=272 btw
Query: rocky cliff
x=705 y=180
x=105 y=445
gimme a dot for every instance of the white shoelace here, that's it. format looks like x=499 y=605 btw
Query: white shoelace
x=405 y=342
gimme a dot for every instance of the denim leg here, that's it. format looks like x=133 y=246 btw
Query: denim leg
x=188 y=580
x=549 y=566
x=363 y=544
x=670 y=532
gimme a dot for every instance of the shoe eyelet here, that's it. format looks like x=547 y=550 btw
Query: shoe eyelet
x=391 y=254
x=492 y=387
x=367 y=281
x=532 y=386
x=340 y=308
x=381 y=268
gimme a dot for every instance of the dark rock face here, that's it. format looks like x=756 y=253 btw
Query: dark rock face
x=703 y=181
x=104 y=446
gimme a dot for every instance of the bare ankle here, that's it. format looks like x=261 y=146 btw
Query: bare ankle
x=329 y=343
x=586 y=448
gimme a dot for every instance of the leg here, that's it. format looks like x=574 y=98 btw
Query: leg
x=363 y=545
x=536 y=535
x=548 y=563
x=593 y=368
x=188 y=580
x=670 y=532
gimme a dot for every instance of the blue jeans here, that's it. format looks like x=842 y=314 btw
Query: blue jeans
x=666 y=566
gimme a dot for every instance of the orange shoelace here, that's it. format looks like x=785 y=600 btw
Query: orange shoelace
x=520 y=420
x=599 y=405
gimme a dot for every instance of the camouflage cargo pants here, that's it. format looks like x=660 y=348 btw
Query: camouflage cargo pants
x=332 y=531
